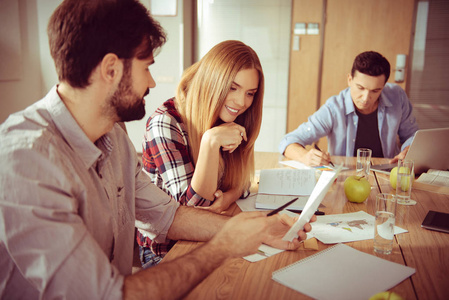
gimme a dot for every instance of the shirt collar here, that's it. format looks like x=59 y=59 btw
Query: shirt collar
x=71 y=131
x=383 y=99
x=349 y=104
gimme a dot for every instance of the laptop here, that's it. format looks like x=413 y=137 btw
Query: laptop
x=429 y=150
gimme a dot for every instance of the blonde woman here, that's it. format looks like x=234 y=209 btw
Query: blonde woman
x=199 y=146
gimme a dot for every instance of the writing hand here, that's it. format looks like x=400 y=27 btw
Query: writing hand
x=316 y=158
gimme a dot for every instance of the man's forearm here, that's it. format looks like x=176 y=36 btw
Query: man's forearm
x=195 y=224
x=296 y=152
x=174 y=279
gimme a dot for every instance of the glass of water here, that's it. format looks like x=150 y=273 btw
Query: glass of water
x=384 y=223
x=363 y=162
x=405 y=177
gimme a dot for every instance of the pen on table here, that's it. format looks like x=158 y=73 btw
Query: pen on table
x=317 y=212
x=273 y=212
x=375 y=176
x=378 y=186
x=318 y=148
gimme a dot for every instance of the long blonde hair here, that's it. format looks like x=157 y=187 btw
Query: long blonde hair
x=200 y=97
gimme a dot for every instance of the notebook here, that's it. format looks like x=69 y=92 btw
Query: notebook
x=429 y=150
x=342 y=272
x=278 y=186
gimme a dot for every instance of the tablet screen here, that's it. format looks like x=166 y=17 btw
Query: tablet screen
x=435 y=220
x=385 y=168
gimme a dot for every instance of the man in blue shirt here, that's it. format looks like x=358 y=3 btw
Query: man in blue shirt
x=370 y=113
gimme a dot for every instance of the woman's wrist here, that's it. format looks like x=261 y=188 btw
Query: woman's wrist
x=210 y=140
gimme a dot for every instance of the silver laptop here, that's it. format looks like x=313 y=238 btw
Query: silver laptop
x=429 y=150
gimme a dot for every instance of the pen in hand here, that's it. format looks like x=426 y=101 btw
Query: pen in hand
x=318 y=212
x=273 y=212
x=318 y=148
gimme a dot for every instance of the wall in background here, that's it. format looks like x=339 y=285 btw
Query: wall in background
x=38 y=75
x=264 y=25
x=25 y=87
x=429 y=74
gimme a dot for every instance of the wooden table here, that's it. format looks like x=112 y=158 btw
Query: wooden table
x=426 y=251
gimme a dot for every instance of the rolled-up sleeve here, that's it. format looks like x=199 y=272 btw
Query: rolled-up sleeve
x=408 y=125
x=155 y=210
x=318 y=125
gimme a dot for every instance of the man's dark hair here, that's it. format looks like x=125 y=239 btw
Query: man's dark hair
x=82 y=32
x=371 y=63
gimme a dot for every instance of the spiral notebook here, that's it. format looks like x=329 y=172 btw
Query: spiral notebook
x=342 y=272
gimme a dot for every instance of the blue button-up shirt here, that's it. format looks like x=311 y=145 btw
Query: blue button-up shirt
x=337 y=119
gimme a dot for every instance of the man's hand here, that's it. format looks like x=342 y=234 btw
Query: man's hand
x=316 y=158
x=312 y=157
x=280 y=228
x=243 y=234
x=400 y=155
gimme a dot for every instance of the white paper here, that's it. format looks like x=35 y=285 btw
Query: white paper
x=435 y=179
x=342 y=228
x=265 y=201
x=318 y=193
x=299 y=165
x=248 y=204
x=295 y=164
x=286 y=182
x=342 y=272
x=264 y=251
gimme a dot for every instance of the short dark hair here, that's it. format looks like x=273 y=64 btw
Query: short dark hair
x=82 y=32
x=371 y=63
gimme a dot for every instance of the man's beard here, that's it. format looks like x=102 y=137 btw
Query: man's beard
x=127 y=104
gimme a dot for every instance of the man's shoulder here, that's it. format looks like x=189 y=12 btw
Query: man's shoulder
x=341 y=102
x=30 y=129
x=393 y=95
x=392 y=89
x=32 y=147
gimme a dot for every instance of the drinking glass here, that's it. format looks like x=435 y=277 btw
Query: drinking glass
x=405 y=177
x=363 y=162
x=384 y=223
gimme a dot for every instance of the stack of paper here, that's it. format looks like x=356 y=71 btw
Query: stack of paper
x=342 y=272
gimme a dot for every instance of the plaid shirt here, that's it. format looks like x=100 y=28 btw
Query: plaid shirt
x=167 y=161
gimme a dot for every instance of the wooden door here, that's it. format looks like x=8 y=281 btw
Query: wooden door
x=346 y=28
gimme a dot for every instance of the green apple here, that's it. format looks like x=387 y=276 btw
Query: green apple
x=357 y=188
x=386 y=296
x=405 y=182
